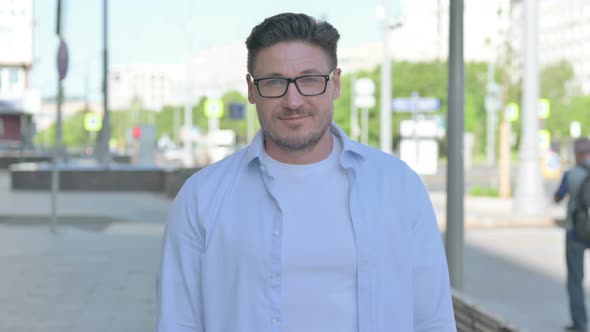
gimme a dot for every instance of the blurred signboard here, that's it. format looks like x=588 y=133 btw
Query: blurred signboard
x=62 y=60
x=236 y=111
x=92 y=122
x=544 y=108
x=364 y=90
x=16 y=32
x=512 y=112
x=213 y=108
x=410 y=104
x=421 y=155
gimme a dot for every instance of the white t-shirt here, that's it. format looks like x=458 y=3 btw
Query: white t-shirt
x=319 y=262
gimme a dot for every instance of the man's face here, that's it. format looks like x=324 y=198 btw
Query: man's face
x=293 y=121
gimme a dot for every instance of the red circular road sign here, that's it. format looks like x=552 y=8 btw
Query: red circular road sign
x=62 y=59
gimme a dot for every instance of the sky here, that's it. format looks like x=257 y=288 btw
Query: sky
x=154 y=31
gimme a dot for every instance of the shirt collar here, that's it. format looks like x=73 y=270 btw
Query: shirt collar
x=351 y=150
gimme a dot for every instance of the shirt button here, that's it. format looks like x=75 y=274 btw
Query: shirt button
x=274 y=276
x=275 y=321
x=275 y=232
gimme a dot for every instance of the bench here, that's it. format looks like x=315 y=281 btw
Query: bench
x=470 y=317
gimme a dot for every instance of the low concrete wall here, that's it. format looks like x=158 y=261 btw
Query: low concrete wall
x=90 y=178
x=8 y=158
x=175 y=179
x=11 y=157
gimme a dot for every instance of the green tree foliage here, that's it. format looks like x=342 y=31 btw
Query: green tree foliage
x=429 y=79
x=555 y=80
x=567 y=103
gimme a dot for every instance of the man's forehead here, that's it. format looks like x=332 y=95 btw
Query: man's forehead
x=288 y=58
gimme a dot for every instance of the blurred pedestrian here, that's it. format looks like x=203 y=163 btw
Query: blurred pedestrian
x=574 y=248
x=305 y=229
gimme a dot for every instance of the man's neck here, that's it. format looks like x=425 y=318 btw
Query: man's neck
x=313 y=154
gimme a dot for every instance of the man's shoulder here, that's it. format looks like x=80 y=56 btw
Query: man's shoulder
x=578 y=171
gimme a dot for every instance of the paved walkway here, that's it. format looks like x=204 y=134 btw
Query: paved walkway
x=98 y=272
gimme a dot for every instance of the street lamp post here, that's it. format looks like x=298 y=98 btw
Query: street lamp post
x=386 y=133
x=103 y=151
x=386 y=80
x=455 y=241
x=529 y=197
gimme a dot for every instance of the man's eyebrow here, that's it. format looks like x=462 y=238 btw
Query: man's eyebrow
x=311 y=71
x=304 y=72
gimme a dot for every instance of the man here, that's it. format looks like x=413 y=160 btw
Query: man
x=574 y=249
x=303 y=230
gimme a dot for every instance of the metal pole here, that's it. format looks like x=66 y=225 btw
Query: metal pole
x=188 y=107
x=364 y=126
x=354 y=113
x=176 y=129
x=504 y=160
x=415 y=97
x=55 y=176
x=530 y=197
x=58 y=135
x=455 y=172
x=491 y=116
x=386 y=135
x=105 y=135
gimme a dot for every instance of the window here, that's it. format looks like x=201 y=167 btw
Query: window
x=13 y=76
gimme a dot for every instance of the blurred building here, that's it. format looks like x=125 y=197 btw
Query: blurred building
x=210 y=72
x=423 y=34
x=564 y=34
x=217 y=70
x=18 y=103
x=152 y=85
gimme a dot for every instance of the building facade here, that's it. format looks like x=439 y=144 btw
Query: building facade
x=563 y=34
x=18 y=103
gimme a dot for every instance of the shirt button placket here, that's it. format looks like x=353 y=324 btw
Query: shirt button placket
x=275 y=273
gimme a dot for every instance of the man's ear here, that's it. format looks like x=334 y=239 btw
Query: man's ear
x=251 y=91
x=336 y=80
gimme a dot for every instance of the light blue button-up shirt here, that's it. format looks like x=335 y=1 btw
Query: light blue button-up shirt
x=222 y=248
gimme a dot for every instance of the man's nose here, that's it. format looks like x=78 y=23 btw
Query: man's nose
x=293 y=99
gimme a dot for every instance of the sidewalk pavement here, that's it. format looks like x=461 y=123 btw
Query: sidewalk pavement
x=98 y=272
x=485 y=212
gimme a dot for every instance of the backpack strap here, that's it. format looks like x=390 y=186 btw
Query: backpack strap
x=585 y=183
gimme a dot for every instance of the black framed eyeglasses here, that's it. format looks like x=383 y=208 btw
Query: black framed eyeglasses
x=307 y=85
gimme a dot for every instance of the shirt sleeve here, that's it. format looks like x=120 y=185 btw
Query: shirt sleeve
x=562 y=189
x=433 y=307
x=179 y=303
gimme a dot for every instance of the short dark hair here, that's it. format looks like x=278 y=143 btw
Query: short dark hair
x=582 y=145
x=292 y=27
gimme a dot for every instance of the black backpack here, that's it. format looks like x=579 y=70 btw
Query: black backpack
x=581 y=213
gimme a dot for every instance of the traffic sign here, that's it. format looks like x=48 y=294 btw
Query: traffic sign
x=236 y=111
x=544 y=108
x=364 y=87
x=364 y=101
x=575 y=129
x=422 y=104
x=92 y=122
x=511 y=112
x=213 y=108
x=544 y=139
x=62 y=60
